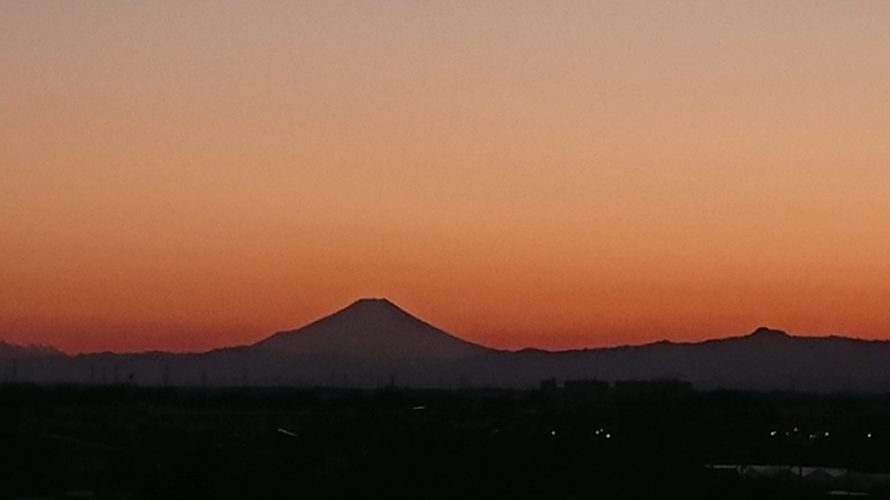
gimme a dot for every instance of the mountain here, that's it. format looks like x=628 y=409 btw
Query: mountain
x=373 y=343
x=765 y=359
x=371 y=329
x=13 y=351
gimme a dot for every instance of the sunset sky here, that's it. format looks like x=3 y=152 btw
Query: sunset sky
x=186 y=175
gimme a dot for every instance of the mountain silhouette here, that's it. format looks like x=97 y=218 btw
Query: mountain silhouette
x=13 y=351
x=373 y=342
x=766 y=332
x=371 y=329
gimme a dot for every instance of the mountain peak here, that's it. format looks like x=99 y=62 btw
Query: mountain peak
x=373 y=328
x=379 y=302
x=764 y=331
x=372 y=310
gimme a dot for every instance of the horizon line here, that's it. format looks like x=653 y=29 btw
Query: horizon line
x=389 y=303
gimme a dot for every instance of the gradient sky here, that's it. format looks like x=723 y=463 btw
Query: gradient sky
x=184 y=175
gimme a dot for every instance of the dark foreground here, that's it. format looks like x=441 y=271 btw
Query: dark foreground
x=585 y=441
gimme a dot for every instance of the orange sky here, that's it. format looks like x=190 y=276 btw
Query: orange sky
x=184 y=175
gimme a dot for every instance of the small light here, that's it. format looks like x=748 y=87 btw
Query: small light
x=553 y=432
x=868 y=435
x=795 y=429
x=608 y=436
x=772 y=433
x=827 y=433
x=286 y=432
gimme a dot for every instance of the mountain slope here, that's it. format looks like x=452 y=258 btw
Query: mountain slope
x=371 y=329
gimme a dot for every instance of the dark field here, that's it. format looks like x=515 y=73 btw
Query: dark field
x=583 y=441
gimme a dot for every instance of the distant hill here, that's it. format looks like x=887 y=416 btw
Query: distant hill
x=13 y=351
x=373 y=343
x=765 y=359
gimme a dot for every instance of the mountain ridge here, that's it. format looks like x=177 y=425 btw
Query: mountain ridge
x=373 y=342
x=759 y=332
